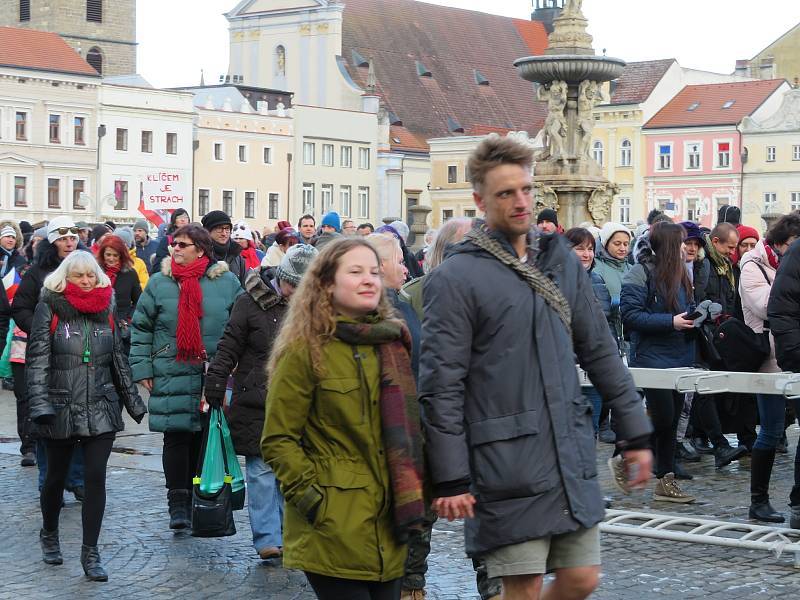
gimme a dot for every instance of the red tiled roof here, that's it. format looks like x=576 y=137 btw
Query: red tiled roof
x=407 y=140
x=638 y=81
x=708 y=101
x=452 y=44
x=40 y=50
x=481 y=129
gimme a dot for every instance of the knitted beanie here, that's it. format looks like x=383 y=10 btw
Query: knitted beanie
x=401 y=229
x=332 y=220
x=295 y=262
x=609 y=229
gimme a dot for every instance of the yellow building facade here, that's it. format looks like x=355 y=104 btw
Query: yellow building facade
x=779 y=60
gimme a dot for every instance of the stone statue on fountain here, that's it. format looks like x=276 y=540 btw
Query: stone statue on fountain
x=555 y=126
x=573 y=8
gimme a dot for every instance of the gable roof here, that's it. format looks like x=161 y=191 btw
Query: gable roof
x=703 y=105
x=443 y=70
x=638 y=81
x=40 y=51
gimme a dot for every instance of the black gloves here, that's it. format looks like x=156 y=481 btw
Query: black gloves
x=215 y=393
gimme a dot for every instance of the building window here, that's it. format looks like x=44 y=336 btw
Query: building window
x=24 y=10
x=771 y=153
x=794 y=203
x=345 y=200
x=78 y=188
x=79 y=126
x=147 y=142
x=327 y=155
x=53 y=192
x=598 y=152
x=122 y=139
x=452 y=174
x=664 y=158
x=796 y=152
x=95 y=58
x=121 y=195
x=219 y=153
x=624 y=210
x=94 y=11
x=770 y=202
x=280 y=61
x=55 y=129
x=241 y=153
x=447 y=214
x=308 y=198
x=172 y=143
x=22 y=126
x=249 y=205
x=327 y=197
x=363 y=202
x=693 y=153
x=20 y=191
x=723 y=155
x=308 y=153
x=227 y=202
x=363 y=158
x=346 y=157
x=203 y=201
x=267 y=155
x=625 y=155
x=274 y=200
x=692 y=209
x=469 y=213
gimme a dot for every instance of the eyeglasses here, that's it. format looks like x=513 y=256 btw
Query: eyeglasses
x=181 y=245
x=226 y=228
x=67 y=230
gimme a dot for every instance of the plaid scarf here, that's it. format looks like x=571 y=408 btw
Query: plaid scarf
x=721 y=265
x=400 y=418
x=540 y=283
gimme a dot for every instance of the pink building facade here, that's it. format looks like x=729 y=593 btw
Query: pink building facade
x=690 y=172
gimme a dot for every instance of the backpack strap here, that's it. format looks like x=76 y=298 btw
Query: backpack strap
x=763 y=272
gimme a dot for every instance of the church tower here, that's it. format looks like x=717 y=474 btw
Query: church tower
x=546 y=11
x=102 y=31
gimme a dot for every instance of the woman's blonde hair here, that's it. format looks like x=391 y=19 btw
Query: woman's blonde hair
x=311 y=319
x=452 y=232
x=385 y=244
x=80 y=261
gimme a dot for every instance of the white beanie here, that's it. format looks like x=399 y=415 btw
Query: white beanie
x=609 y=229
x=401 y=228
x=242 y=232
x=7 y=231
x=59 y=223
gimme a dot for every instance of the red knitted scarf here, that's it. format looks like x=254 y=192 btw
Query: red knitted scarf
x=251 y=257
x=190 y=309
x=772 y=256
x=112 y=274
x=94 y=301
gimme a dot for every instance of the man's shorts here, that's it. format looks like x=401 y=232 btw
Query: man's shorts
x=579 y=548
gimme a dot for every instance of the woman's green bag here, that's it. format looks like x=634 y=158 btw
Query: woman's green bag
x=5 y=363
x=212 y=475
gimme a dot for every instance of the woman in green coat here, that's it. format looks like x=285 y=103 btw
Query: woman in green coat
x=342 y=429
x=179 y=319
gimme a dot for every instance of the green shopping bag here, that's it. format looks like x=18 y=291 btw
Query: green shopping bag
x=212 y=474
x=5 y=363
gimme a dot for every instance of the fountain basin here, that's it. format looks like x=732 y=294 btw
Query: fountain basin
x=569 y=68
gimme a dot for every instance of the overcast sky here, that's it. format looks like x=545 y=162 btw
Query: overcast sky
x=177 y=38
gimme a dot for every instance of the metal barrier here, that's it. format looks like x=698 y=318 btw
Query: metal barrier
x=685 y=528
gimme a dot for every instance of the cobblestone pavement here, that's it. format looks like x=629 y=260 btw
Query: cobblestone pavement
x=146 y=560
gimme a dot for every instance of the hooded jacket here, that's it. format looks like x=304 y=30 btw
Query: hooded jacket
x=177 y=386
x=755 y=283
x=78 y=398
x=243 y=350
x=503 y=410
x=13 y=259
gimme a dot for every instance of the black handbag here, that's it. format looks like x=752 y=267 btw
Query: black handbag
x=740 y=348
x=212 y=514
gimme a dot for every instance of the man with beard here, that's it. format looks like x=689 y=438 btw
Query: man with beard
x=145 y=247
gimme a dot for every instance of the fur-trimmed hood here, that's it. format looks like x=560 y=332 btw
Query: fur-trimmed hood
x=66 y=312
x=17 y=230
x=214 y=270
x=263 y=293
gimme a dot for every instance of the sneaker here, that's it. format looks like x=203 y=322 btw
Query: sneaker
x=269 y=553
x=28 y=460
x=413 y=595
x=619 y=477
x=668 y=490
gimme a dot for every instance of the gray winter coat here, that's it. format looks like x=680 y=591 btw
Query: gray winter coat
x=69 y=397
x=503 y=410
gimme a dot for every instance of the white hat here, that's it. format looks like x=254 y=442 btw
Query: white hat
x=242 y=232
x=401 y=229
x=608 y=231
x=60 y=223
x=8 y=231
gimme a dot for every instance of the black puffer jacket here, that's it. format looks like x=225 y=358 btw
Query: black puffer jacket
x=255 y=320
x=783 y=310
x=69 y=397
x=127 y=291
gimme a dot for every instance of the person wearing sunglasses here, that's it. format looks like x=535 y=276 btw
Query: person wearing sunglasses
x=219 y=226
x=178 y=322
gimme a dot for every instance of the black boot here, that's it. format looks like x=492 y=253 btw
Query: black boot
x=794 y=517
x=686 y=452
x=702 y=446
x=51 y=548
x=178 y=516
x=725 y=455
x=680 y=471
x=90 y=561
x=760 y=474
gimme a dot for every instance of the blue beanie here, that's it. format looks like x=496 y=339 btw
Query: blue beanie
x=332 y=220
x=693 y=232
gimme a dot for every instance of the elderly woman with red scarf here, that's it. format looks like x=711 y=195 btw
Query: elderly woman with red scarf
x=178 y=322
x=116 y=262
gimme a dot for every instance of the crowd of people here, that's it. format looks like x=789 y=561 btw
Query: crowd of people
x=374 y=390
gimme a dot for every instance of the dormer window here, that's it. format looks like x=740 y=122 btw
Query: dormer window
x=728 y=104
x=422 y=70
x=479 y=78
x=694 y=106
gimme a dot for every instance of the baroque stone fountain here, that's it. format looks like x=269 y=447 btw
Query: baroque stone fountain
x=566 y=176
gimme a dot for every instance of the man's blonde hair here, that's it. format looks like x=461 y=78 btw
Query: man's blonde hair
x=493 y=152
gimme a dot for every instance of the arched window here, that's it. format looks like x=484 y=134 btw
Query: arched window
x=597 y=152
x=280 y=61
x=95 y=58
x=625 y=154
x=94 y=11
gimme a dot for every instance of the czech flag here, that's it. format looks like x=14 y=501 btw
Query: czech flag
x=11 y=283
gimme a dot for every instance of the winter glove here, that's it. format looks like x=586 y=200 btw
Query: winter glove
x=215 y=393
